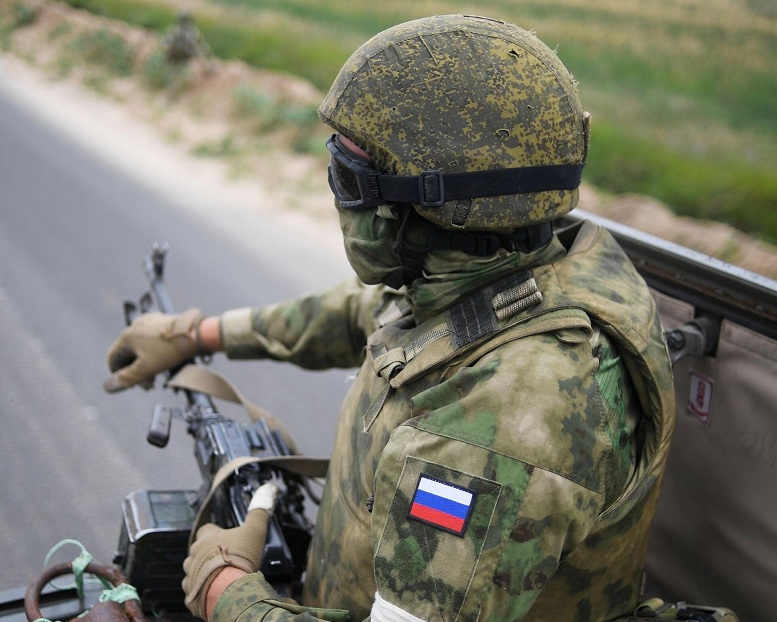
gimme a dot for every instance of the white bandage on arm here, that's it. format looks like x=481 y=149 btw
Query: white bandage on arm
x=384 y=611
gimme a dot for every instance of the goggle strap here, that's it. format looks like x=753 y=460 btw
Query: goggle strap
x=432 y=188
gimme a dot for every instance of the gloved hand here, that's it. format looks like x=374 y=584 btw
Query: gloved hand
x=153 y=343
x=214 y=548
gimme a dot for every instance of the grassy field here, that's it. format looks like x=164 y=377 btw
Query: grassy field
x=682 y=92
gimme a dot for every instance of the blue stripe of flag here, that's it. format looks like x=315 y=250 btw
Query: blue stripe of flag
x=442 y=504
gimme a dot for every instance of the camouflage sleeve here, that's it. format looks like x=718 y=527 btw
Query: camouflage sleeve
x=251 y=599
x=317 y=331
x=480 y=495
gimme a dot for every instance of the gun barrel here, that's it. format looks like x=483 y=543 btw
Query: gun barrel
x=217 y=442
x=153 y=266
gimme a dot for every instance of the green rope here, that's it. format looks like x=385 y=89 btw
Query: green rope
x=79 y=564
x=119 y=594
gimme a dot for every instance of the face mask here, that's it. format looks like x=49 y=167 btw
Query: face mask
x=369 y=239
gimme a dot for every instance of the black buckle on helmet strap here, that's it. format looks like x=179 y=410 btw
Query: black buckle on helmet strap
x=431 y=189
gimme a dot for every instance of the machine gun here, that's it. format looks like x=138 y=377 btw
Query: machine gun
x=156 y=524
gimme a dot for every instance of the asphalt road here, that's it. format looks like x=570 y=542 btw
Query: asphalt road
x=73 y=232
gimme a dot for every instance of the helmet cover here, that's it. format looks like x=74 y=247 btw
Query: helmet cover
x=458 y=93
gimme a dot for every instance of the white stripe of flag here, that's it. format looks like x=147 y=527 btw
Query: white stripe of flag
x=444 y=490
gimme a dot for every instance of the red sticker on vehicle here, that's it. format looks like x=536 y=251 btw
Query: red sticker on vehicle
x=700 y=393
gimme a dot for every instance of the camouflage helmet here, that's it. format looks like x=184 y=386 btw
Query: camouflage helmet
x=458 y=94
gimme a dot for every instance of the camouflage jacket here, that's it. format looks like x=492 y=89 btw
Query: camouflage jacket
x=500 y=453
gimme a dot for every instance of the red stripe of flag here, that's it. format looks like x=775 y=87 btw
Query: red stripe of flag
x=436 y=517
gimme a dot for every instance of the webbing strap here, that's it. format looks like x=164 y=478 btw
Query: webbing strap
x=396 y=310
x=477 y=243
x=374 y=410
x=484 y=244
x=204 y=380
x=301 y=465
x=469 y=320
x=391 y=362
x=433 y=188
x=385 y=365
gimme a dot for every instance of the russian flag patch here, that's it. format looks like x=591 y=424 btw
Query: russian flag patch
x=442 y=505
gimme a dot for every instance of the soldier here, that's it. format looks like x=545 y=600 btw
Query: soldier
x=184 y=41
x=500 y=452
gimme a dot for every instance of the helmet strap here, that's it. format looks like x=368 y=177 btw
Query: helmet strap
x=410 y=254
x=479 y=244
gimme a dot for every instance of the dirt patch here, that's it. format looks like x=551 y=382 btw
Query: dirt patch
x=196 y=112
x=711 y=238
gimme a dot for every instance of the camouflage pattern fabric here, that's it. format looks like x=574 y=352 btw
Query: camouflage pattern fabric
x=184 y=41
x=549 y=426
x=457 y=93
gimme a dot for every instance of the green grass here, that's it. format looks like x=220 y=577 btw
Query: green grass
x=213 y=149
x=265 y=112
x=731 y=192
x=104 y=48
x=683 y=94
x=154 y=16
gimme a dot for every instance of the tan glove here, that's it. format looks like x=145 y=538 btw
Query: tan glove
x=153 y=343
x=214 y=548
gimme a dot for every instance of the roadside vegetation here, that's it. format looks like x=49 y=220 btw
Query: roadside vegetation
x=682 y=92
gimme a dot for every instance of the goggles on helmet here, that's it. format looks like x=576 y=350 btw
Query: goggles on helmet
x=351 y=177
x=358 y=185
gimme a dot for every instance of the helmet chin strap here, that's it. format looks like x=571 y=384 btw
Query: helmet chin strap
x=427 y=237
x=410 y=254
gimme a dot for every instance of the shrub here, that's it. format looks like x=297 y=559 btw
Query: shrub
x=104 y=49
